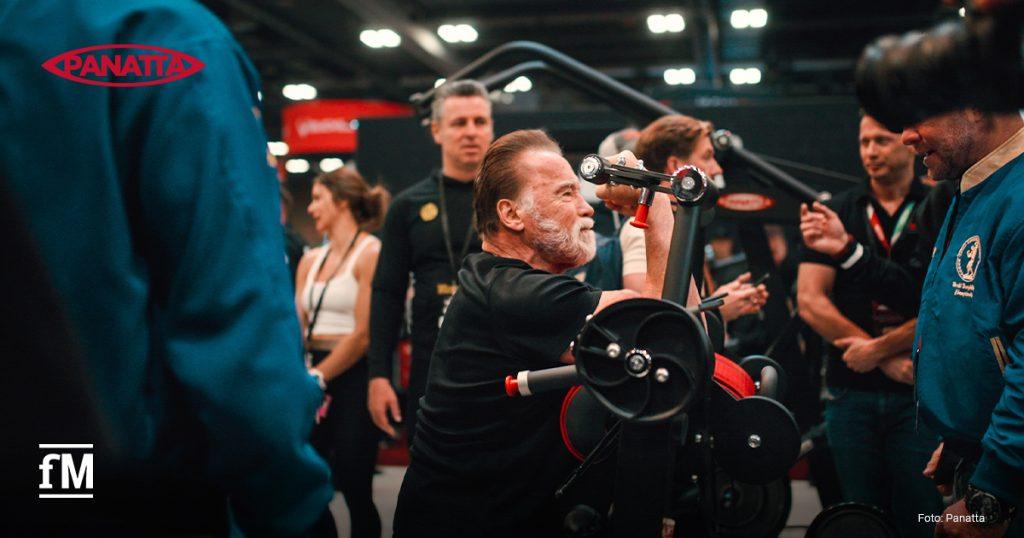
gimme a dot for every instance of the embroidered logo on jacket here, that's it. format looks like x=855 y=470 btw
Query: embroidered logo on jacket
x=968 y=259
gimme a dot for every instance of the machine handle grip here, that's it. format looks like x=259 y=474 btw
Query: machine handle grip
x=529 y=382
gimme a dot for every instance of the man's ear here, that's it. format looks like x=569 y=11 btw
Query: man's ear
x=435 y=131
x=509 y=215
x=672 y=164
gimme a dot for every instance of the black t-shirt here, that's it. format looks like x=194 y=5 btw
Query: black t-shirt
x=485 y=464
x=850 y=296
x=412 y=241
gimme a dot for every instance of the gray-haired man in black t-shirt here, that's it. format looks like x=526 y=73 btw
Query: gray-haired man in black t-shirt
x=484 y=464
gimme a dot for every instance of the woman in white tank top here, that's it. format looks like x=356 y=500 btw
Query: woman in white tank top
x=332 y=294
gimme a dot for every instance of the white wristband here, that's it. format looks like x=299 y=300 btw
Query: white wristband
x=858 y=253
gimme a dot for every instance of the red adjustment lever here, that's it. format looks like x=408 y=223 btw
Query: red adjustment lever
x=646 y=199
x=511 y=386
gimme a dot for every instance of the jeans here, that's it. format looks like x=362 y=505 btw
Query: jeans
x=880 y=451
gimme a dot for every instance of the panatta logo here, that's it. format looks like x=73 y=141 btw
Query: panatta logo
x=123 y=65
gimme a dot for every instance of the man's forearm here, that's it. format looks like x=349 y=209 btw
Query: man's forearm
x=897 y=340
x=826 y=320
x=657 y=238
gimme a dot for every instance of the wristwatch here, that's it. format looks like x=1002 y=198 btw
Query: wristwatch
x=989 y=509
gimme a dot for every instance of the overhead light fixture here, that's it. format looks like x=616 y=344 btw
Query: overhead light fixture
x=331 y=164
x=457 y=33
x=520 y=84
x=740 y=18
x=752 y=18
x=278 y=149
x=299 y=92
x=259 y=96
x=439 y=82
x=758 y=18
x=659 y=23
x=748 y=75
x=962 y=11
x=296 y=166
x=382 y=38
x=684 y=76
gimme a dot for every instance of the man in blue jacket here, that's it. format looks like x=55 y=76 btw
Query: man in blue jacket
x=969 y=346
x=155 y=214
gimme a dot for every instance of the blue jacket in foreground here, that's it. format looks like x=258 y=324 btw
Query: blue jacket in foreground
x=156 y=214
x=969 y=347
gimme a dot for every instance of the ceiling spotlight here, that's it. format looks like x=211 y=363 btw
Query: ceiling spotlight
x=467 y=34
x=520 y=84
x=457 y=33
x=758 y=18
x=740 y=18
x=448 y=32
x=674 y=23
x=331 y=164
x=370 y=39
x=656 y=24
x=278 y=149
x=683 y=76
x=299 y=92
x=740 y=76
x=296 y=166
x=439 y=82
x=753 y=75
x=385 y=37
x=963 y=12
x=389 y=38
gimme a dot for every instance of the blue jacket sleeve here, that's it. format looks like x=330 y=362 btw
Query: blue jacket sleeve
x=1001 y=469
x=229 y=336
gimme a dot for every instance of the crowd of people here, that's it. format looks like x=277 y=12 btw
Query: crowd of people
x=166 y=264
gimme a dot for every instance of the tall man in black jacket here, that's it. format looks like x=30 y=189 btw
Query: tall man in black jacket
x=427 y=233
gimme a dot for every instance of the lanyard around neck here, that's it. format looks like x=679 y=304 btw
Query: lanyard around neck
x=876 y=225
x=446 y=229
x=323 y=292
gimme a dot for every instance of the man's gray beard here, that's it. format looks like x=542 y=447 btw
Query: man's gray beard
x=558 y=245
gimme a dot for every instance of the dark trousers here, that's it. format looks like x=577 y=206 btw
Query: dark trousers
x=347 y=439
x=880 y=452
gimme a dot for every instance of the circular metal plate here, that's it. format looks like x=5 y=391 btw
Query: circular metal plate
x=676 y=343
x=756 y=439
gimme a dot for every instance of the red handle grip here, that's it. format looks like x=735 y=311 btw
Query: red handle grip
x=511 y=386
x=640 y=220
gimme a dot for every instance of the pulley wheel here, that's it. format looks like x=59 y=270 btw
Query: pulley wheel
x=644 y=360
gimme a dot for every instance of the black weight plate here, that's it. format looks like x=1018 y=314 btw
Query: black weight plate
x=751 y=510
x=852 y=520
x=779 y=445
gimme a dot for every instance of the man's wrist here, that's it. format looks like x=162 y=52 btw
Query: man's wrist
x=847 y=249
x=989 y=509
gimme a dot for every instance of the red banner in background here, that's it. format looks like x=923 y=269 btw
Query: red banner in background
x=325 y=126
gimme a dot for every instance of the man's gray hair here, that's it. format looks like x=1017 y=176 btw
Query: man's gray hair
x=458 y=88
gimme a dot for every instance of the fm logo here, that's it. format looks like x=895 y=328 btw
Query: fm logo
x=74 y=465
